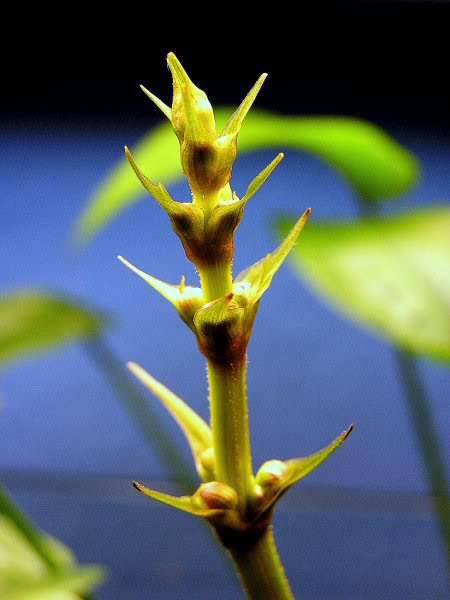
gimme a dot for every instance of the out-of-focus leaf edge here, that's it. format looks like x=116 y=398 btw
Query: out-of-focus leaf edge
x=374 y=164
x=77 y=322
x=282 y=225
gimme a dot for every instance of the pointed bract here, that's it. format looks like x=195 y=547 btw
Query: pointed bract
x=197 y=432
x=192 y=114
x=186 y=299
x=301 y=467
x=158 y=191
x=297 y=469
x=261 y=179
x=255 y=280
x=234 y=124
x=183 y=503
x=173 y=293
x=166 y=110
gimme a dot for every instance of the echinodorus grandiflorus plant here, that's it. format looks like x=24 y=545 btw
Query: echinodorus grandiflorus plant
x=237 y=503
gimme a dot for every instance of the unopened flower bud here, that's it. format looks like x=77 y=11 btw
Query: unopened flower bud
x=271 y=473
x=220 y=330
x=217 y=495
x=206 y=161
x=207 y=158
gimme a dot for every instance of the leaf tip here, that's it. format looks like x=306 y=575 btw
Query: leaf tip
x=124 y=261
x=347 y=432
x=132 y=366
x=137 y=486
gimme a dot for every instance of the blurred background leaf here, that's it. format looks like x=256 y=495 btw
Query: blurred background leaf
x=373 y=163
x=32 y=321
x=35 y=321
x=391 y=274
x=25 y=574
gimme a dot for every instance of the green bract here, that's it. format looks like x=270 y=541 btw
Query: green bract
x=375 y=165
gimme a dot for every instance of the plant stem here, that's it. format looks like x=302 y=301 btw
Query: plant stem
x=229 y=424
x=427 y=437
x=261 y=570
x=216 y=281
x=228 y=404
x=256 y=559
x=135 y=404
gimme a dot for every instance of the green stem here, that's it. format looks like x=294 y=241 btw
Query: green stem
x=261 y=570
x=216 y=281
x=229 y=424
x=427 y=437
x=228 y=404
x=135 y=404
x=257 y=560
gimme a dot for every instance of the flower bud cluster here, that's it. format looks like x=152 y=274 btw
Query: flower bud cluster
x=206 y=158
x=221 y=313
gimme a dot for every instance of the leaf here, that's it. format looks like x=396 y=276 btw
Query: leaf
x=183 y=503
x=52 y=553
x=299 y=468
x=196 y=431
x=187 y=299
x=390 y=274
x=33 y=320
x=261 y=178
x=234 y=125
x=256 y=280
x=24 y=575
x=374 y=164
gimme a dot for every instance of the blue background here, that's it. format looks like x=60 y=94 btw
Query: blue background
x=311 y=372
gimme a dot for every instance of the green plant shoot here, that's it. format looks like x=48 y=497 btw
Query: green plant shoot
x=236 y=502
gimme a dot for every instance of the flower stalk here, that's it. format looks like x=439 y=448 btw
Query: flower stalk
x=229 y=424
x=220 y=313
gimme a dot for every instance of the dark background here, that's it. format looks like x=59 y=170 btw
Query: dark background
x=379 y=60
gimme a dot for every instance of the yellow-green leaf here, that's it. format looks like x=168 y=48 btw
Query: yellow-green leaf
x=183 y=503
x=32 y=320
x=374 y=164
x=391 y=274
x=299 y=468
x=256 y=280
x=24 y=575
x=196 y=431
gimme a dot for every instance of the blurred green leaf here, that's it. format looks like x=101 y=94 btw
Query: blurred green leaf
x=374 y=164
x=25 y=576
x=391 y=274
x=32 y=320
